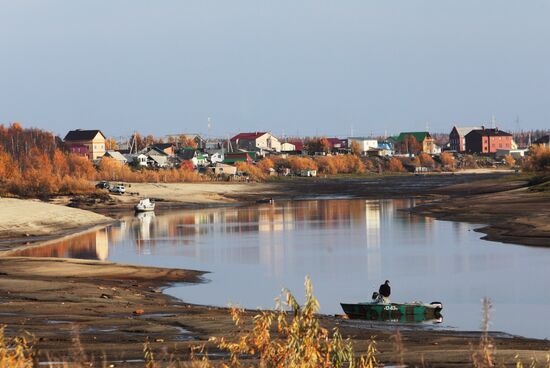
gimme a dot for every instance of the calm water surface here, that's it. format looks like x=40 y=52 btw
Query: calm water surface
x=347 y=247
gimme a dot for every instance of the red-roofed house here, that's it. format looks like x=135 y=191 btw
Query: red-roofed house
x=337 y=143
x=256 y=141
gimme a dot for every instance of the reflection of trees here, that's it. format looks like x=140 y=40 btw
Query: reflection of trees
x=183 y=228
x=93 y=245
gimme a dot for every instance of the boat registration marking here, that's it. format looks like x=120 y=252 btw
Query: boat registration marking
x=390 y=308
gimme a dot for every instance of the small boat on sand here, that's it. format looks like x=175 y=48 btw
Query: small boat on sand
x=145 y=205
x=393 y=311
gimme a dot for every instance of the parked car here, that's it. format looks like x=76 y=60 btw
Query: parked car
x=118 y=189
x=102 y=185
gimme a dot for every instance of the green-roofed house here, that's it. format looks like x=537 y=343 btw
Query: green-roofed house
x=405 y=143
x=233 y=158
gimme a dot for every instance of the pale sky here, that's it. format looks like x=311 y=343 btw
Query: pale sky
x=286 y=66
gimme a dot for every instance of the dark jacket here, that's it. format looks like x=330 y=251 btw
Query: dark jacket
x=385 y=290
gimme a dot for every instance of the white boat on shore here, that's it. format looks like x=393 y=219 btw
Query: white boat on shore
x=145 y=205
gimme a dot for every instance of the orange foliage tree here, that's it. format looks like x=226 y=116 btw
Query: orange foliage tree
x=510 y=161
x=395 y=165
x=426 y=160
x=539 y=159
x=447 y=160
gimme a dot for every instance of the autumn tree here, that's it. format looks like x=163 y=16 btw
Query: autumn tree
x=409 y=145
x=356 y=148
x=447 y=160
x=137 y=142
x=510 y=160
x=395 y=165
x=314 y=145
x=426 y=160
x=539 y=159
x=111 y=144
x=266 y=164
x=185 y=141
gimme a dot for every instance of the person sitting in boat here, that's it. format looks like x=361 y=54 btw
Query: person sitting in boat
x=384 y=293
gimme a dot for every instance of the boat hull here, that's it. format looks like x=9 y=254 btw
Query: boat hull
x=394 y=311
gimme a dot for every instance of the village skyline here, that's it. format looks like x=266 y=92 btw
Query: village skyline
x=299 y=69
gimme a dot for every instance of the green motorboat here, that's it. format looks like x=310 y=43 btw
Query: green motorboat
x=404 y=312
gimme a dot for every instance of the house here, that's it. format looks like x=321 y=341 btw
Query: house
x=137 y=160
x=257 y=141
x=89 y=143
x=487 y=140
x=405 y=142
x=216 y=156
x=287 y=147
x=337 y=144
x=386 y=149
x=223 y=169
x=158 y=161
x=514 y=152
x=298 y=145
x=232 y=158
x=193 y=155
x=308 y=172
x=543 y=141
x=457 y=138
x=168 y=148
x=116 y=156
x=365 y=143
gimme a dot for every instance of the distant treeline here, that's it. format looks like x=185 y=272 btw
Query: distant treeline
x=35 y=163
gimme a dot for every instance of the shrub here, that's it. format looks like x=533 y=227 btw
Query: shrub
x=447 y=160
x=538 y=160
x=395 y=165
x=510 y=161
x=426 y=160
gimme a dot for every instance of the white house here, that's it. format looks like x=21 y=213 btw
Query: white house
x=216 y=157
x=365 y=143
x=140 y=158
x=287 y=147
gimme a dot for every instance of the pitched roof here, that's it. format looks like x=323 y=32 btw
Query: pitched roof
x=490 y=132
x=82 y=135
x=462 y=131
x=163 y=146
x=254 y=135
x=542 y=140
x=420 y=136
x=116 y=155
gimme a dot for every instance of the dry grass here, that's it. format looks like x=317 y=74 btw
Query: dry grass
x=289 y=337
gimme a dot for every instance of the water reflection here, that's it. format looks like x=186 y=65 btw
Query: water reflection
x=147 y=231
x=348 y=247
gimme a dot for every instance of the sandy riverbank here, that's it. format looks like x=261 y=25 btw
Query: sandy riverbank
x=54 y=299
x=27 y=221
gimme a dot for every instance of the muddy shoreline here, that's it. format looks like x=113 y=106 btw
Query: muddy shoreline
x=102 y=303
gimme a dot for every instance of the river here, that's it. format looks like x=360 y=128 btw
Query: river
x=347 y=247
